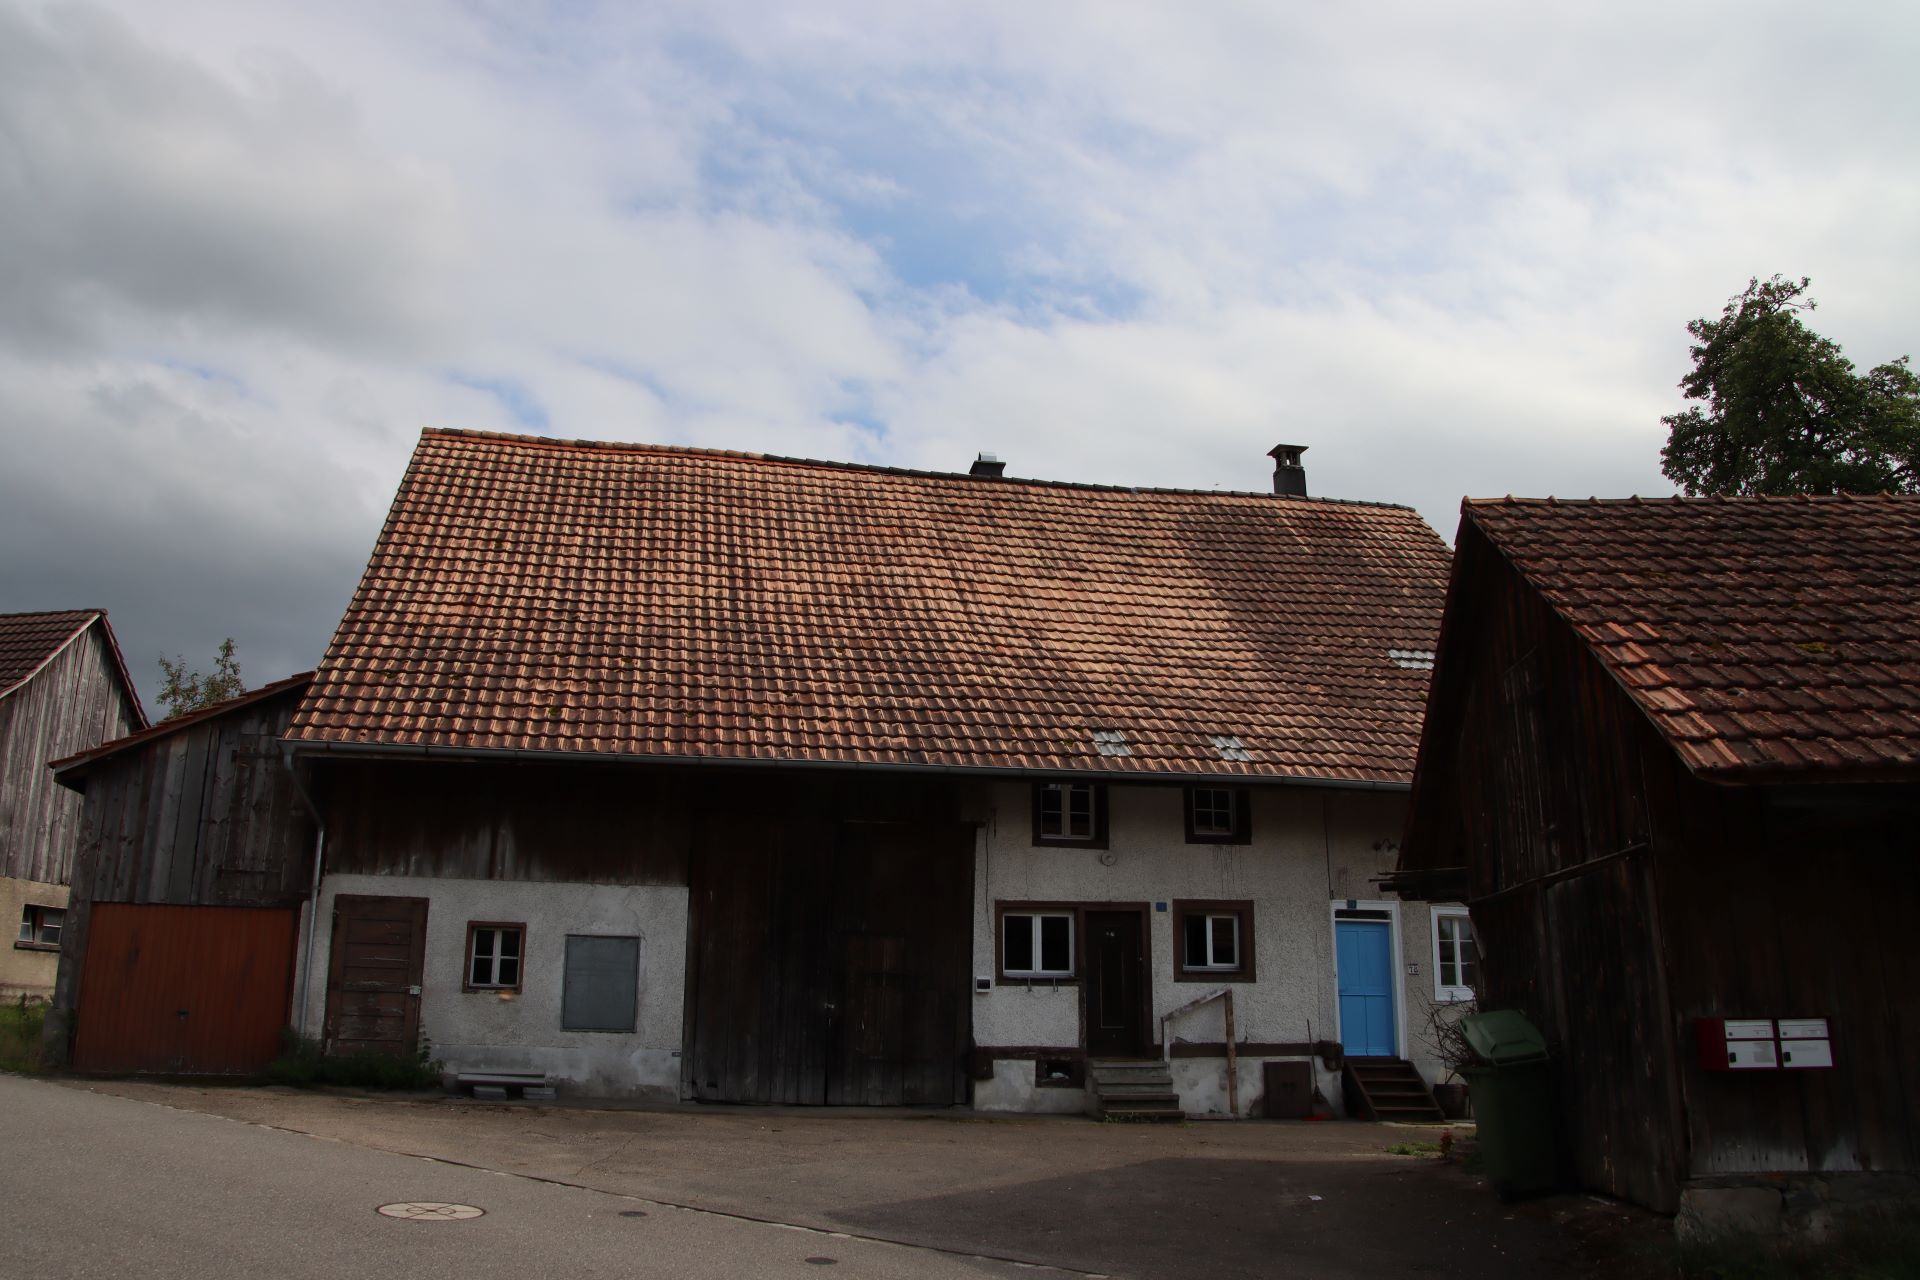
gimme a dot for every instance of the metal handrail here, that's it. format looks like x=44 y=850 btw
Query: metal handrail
x=1225 y=996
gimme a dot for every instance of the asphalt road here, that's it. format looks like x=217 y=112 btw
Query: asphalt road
x=100 y=1186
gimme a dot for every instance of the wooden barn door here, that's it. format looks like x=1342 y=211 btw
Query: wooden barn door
x=829 y=964
x=184 y=990
x=374 y=971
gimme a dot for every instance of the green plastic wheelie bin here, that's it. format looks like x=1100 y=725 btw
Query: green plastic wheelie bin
x=1513 y=1089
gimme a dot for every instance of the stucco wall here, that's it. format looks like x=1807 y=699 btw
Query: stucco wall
x=478 y=1030
x=1312 y=849
x=25 y=971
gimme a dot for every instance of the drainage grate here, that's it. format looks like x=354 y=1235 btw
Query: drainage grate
x=429 y=1211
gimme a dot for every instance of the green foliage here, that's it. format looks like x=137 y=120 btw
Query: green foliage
x=1785 y=411
x=20 y=1026
x=303 y=1065
x=185 y=690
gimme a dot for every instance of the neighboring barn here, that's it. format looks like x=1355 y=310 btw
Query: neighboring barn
x=63 y=688
x=195 y=853
x=668 y=771
x=1672 y=759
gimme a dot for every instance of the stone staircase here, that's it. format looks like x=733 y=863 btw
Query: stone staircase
x=1133 y=1089
x=1389 y=1089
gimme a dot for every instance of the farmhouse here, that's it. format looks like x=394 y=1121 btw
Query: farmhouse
x=1672 y=760
x=63 y=687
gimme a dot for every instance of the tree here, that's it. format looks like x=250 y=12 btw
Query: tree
x=1785 y=411
x=185 y=690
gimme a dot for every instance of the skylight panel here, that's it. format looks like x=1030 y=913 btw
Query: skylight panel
x=1412 y=659
x=1231 y=748
x=1111 y=742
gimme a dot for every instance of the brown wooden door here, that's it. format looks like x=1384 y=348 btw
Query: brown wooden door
x=183 y=990
x=374 y=971
x=1116 y=985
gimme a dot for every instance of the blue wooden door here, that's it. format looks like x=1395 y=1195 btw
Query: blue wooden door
x=1364 y=953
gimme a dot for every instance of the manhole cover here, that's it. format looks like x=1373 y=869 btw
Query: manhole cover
x=429 y=1211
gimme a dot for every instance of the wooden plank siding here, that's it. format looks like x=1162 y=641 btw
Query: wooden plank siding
x=75 y=702
x=205 y=816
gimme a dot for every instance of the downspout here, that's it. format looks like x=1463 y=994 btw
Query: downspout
x=313 y=890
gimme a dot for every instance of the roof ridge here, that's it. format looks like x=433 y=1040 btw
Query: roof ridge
x=1682 y=499
x=874 y=468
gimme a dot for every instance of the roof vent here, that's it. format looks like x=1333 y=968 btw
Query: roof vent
x=1231 y=748
x=988 y=467
x=1412 y=659
x=1289 y=477
x=1111 y=742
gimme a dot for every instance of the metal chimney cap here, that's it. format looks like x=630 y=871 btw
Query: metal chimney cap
x=988 y=467
x=1287 y=455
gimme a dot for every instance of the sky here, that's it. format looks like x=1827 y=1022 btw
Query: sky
x=249 y=250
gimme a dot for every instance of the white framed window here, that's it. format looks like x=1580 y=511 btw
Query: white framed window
x=1070 y=813
x=40 y=927
x=1211 y=941
x=1036 y=944
x=495 y=951
x=1455 y=962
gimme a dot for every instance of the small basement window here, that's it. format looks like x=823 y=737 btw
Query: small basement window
x=1070 y=813
x=1213 y=941
x=40 y=928
x=1059 y=1073
x=1454 y=956
x=1218 y=815
x=494 y=955
x=602 y=986
x=1036 y=944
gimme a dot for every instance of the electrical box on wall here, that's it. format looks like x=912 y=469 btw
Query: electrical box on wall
x=1762 y=1044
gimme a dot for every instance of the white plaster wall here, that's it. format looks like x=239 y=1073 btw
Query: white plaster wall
x=1012 y=1089
x=1312 y=848
x=478 y=1030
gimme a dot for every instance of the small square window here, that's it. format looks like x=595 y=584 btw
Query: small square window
x=1036 y=944
x=1214 y=941
x=496 y=954
x=1070 y=813
x=1218 y=815
x=1454 y=956
x=40 y=928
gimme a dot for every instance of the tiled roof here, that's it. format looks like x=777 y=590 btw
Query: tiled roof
x=1762 y=636
x=631 y=600
x=28 y=641
x=173 y=724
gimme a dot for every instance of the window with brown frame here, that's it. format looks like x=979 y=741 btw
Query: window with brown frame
x=1070 y=813
x=1213 y=941
x=496 y=955
x=1036 y=941
x=1218 y=815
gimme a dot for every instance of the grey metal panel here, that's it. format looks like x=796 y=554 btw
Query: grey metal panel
x=602 y=983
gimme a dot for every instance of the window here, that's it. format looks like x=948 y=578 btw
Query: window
x=602 y=987
x=1070 y=813
x=40 y=928
x=1036 y=944
x=1213 y=941
x=1218 y=815
x=1454 y=958
x=494 y=953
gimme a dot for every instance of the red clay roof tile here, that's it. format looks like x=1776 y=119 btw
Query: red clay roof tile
x=533 y=594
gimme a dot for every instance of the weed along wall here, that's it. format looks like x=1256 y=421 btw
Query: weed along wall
x=1306 y=851
x=501 y=1028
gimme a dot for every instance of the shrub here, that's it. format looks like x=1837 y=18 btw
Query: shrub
x=20 y=1027
x=303 y=1064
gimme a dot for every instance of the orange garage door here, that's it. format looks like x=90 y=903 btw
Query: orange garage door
x=184 y=990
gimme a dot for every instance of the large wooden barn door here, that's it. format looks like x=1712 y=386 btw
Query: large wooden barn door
x=829 y=964
x=374 y=971
x=183 y=990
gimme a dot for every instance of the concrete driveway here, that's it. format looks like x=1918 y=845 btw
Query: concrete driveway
x=1198 y=1200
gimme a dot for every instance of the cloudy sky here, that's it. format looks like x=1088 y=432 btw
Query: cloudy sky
x=247 y=251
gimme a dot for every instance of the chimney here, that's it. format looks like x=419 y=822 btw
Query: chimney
x=988 y=467
x=1289 y=477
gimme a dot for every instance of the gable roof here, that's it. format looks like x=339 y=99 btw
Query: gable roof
x=1763 y=637
x=74 y=766
x=29 y=641
x=530 y=594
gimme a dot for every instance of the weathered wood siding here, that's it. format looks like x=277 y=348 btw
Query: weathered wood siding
x=205 y=816
x=74 y=703
x=1546 y=765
